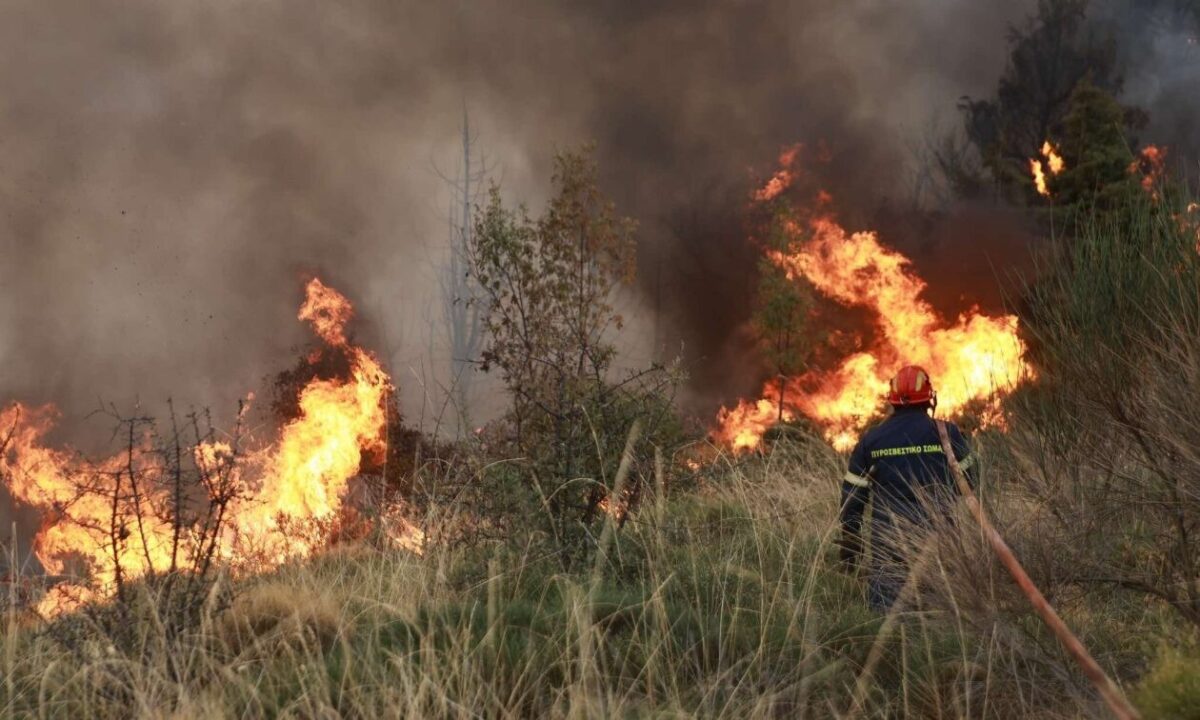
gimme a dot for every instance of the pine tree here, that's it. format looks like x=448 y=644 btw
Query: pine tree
x=781 y=315
x=1096 y=149
x=1049 y=59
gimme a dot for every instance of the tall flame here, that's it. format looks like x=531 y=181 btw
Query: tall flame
x=303 y=477
x=972 y=357
x=306 y=475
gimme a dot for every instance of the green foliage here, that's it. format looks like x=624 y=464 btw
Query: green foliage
x=1111 y=287
x=783 y=307
x=1097 y=155
x=724 y=603
x=550 y=281
x=1049 y=58
x=1171 y=690
x=549 y=284
x=1110 y=429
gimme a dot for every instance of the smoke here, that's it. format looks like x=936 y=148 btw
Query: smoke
x=169 y=172
x=1158 y=44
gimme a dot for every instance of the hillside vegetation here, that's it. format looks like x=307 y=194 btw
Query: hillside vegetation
x=721 y=602
x=585 y=558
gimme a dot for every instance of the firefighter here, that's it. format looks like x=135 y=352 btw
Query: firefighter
x=901 y=466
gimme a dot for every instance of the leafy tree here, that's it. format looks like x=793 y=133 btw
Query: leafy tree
x=1049 y=59
x=1104 y=176
x=549 y=284
x=1097 y=154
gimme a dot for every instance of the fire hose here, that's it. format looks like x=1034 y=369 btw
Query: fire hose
x=1108 y=689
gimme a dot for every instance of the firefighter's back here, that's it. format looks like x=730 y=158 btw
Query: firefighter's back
x=908 y=466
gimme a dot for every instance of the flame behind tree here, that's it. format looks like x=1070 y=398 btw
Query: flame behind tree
x=114 y=516
x=1054 y=164
x=1095 y=140
x=784 y=307
x=1053 y=160
x=972 y=357
x=1149 y=166
x=79 y=500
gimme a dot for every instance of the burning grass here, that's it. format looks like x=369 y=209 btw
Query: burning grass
x=178 y=504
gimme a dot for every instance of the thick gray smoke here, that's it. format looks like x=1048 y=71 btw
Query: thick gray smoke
x=1158 y=42
x=170 y=171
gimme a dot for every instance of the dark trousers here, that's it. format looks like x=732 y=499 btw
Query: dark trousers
x=889 y=567
x=885 y=580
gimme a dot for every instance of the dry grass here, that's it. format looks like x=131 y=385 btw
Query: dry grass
x=717 y=603
x=280 y=612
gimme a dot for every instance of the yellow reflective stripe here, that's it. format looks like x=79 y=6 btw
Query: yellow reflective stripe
x=856 y=480
x=966 y=462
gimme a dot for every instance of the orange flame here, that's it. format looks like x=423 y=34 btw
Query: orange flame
x=302 y=478
x=1189 y=221
x=1054 y=163
x=1039 y=177
x=328 y=311
x=973 y=357
x=782 y=179
x=306 y=475
x=1054 y=160
x=743 y=426
x=1150 y=164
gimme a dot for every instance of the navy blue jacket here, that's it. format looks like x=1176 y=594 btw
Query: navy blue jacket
x=897 y=462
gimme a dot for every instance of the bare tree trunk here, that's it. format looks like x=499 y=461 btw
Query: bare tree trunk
x=116 y=532
x=137 y=498
x=461 y=296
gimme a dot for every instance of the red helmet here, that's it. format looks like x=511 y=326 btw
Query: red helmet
x=911 y=386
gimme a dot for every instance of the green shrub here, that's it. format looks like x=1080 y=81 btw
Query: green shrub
x=548 y=286
x=1105 y=441
x=1171 y=690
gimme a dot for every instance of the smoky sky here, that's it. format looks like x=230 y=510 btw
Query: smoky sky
x=1158 y=46
x=171 y=172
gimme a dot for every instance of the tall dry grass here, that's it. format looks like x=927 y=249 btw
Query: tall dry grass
x=723 y=602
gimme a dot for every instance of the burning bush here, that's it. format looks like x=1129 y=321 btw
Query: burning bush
x=191 y=499
x=974 y=357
